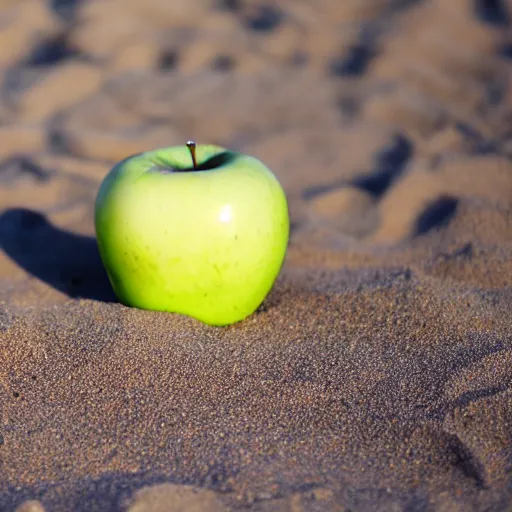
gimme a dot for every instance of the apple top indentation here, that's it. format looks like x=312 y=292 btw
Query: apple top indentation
x=211 y=163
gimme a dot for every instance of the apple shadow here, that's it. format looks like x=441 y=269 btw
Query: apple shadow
x=67 y=261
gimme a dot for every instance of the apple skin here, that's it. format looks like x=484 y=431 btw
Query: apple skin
x=208 y=244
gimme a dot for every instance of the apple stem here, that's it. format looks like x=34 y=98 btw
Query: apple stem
x=191 y=145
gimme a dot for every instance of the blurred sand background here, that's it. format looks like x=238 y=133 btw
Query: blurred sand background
x=376 y=376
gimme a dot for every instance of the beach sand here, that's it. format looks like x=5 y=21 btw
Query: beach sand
x=377 y=374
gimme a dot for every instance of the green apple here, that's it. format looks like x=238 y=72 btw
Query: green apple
x=200 y=231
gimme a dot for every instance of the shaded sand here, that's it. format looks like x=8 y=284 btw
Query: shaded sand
x=377 y=374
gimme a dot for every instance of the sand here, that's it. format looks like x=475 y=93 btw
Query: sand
x=377 y=374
